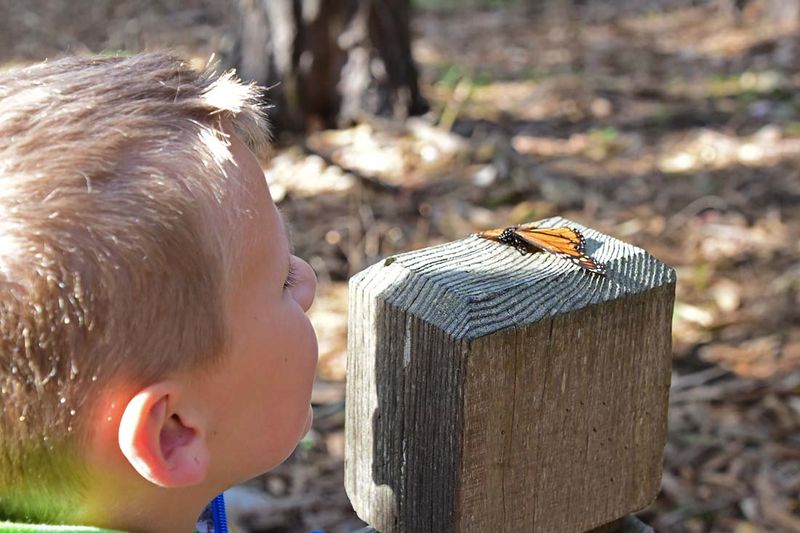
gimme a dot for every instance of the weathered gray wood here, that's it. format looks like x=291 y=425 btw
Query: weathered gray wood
x=493 y=391
x=628 y=524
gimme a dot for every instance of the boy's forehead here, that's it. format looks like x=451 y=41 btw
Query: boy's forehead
x=255 y=201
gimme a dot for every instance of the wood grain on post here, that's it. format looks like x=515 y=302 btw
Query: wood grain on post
x=493 y=391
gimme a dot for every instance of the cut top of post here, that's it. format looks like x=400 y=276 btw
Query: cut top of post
x=474 y=287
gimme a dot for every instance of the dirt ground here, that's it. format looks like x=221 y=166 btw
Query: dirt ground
x=671 y=125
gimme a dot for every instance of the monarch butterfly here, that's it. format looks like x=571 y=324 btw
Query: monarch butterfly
x=563 y=242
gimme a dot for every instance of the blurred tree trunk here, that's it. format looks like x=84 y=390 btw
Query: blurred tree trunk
x=329 y=61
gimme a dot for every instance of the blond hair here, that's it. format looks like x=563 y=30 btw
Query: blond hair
x=113 y=242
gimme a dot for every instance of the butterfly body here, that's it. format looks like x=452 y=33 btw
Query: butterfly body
x=567 y=243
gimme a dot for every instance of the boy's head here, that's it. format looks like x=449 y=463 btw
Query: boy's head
x=147 y=327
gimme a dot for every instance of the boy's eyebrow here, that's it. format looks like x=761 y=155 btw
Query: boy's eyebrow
x=287 y=229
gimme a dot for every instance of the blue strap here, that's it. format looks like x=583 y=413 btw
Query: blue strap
x=218 y=513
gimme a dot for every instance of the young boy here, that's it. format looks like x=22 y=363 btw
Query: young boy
x=154 y=346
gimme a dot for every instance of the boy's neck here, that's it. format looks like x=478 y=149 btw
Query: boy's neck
x=148 y=509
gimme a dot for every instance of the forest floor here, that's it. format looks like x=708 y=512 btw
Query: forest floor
x=676 y=130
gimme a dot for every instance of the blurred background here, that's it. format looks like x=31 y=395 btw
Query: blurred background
x=671 y=124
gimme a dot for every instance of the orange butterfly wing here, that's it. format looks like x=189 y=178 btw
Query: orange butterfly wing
x=553 y=239
x=563 y=242
x=491 y=234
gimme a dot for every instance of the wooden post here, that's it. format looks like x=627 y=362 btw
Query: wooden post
x=493 y=391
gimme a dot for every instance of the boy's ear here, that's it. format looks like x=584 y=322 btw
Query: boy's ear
x=164 y=440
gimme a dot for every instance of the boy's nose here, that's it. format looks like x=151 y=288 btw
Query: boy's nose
x=306 y=286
